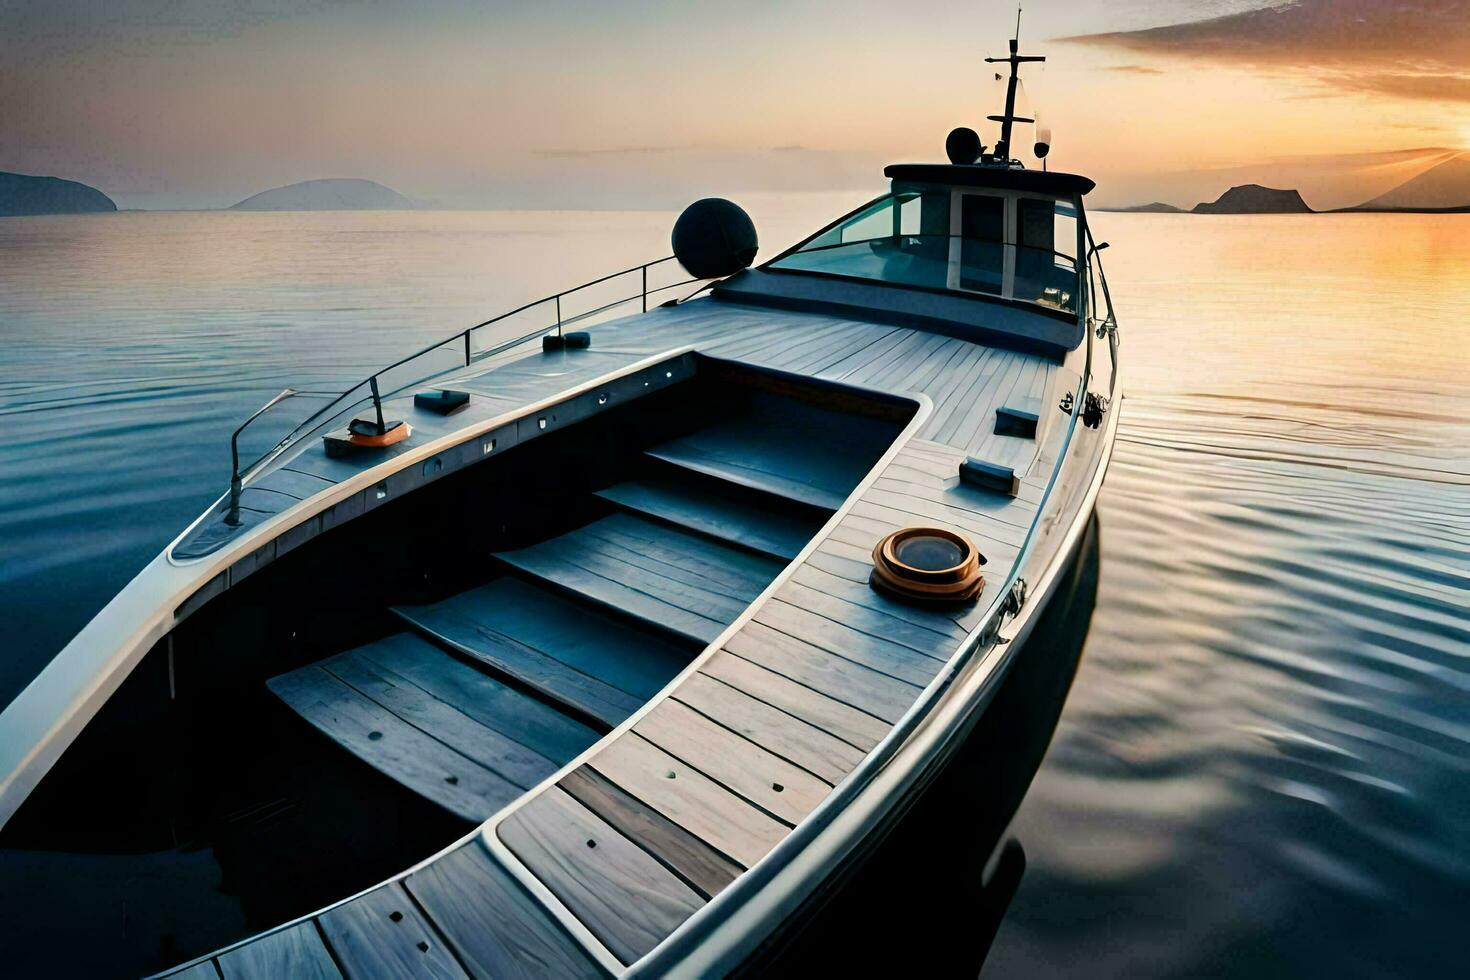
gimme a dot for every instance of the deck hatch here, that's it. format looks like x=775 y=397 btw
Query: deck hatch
x=927 y=564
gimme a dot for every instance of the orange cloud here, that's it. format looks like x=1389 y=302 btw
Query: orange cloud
x=1415 y=50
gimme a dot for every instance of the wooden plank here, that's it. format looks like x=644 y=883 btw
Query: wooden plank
x=944 y=426
x=618 y=891
x=986 y=501
x=493 y=926
x=626 y=589
x=917 y=346
x=296 y=951
x=737 y=763
x=814 y=750
x=482 y=743
x=667 y=578
x=703 y=868
x=860 y=592
x=828 y=354
x=852 y=570
x=979 y=527
x=539 y=727
x=961 y=504
x=844 y=641
x=905 y=510
x=630 y=660
x=382 y=934
x=712 y=510
x=880 y=695
x=551 y=676
x=708 y=564
x=392 y=746
x=753 y=477
x=692 y=800
x=857 y=360
x=810 y=455
x=874 y=620
x=977 y=424
x=854 y=727
x=956 y=388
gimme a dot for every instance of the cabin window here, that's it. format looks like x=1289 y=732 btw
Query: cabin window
x=995 y=243
x=903 y=238
x=1046 y=265
x=1015 y=247
x=982 y=236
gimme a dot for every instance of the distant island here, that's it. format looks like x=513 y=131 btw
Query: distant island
x=1255 y=199
x=1442 y=189
x=331 y=194
x=1157 y=207
x=22 y=194
x=1244 y=199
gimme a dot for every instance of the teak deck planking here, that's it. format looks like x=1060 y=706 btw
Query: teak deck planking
x=682 y=803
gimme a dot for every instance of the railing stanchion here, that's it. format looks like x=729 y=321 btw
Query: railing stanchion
x=232 y=518
x=378 y=404
x=336 y=406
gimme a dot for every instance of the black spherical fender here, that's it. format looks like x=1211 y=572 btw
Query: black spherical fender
x=714 y=238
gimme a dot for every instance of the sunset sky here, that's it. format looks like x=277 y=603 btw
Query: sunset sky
x=189 y=103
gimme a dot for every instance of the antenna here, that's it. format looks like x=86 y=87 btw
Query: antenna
x=1003 y=148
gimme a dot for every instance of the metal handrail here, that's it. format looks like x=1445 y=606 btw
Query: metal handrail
x=341 y=403
x=1093 y=262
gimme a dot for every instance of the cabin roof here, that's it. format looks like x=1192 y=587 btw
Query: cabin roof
x=1005 y=178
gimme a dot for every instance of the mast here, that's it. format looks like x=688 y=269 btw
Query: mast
x=1003 y=148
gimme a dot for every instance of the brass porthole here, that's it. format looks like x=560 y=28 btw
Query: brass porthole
x=927 y=564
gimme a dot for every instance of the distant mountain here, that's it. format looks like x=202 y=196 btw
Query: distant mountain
x=1255 y=199
x=1443 y=187
x=332 y=194
x=1157 y=207
x=23 y=194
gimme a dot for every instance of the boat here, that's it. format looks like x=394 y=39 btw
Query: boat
x=605 y=637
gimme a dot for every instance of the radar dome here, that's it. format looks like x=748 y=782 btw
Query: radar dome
x=963 y=145
x=714 y=238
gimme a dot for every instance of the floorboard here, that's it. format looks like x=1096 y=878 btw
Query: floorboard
x=786 y=791
x=568 y=652
x=664 y=578
x=784 y=735
x=493 y=926
x=382 y=933
x=393 y=746
x=296 y=951
x=618 y=891
x=706 y=507
x=848 y=681
x=702 y=867
x=690 y=799
x=851 y=725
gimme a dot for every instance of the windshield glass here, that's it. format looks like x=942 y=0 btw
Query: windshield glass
x=939 y=240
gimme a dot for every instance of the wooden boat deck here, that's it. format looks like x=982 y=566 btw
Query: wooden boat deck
x=803 y=677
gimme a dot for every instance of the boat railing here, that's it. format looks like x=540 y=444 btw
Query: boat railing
x=1107 y=324
x=457 y=351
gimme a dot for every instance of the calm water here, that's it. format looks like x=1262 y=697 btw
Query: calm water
x=1262 y=768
